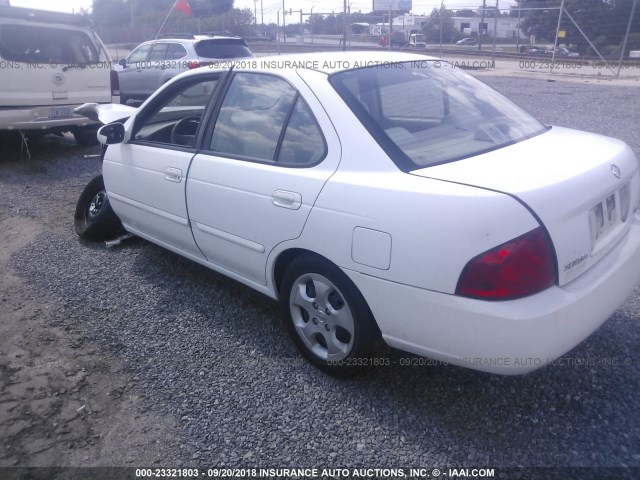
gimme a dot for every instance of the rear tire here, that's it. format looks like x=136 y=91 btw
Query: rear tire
x=94 y=218
x=328 y=318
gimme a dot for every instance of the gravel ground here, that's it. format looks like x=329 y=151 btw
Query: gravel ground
x=210 y=360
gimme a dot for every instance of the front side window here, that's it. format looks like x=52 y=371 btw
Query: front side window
x=264 y=118
x=175 y=120
x=46 y=45
x=139 y=54
x=424 y=115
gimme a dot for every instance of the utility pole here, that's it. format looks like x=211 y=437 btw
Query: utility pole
x=311 y=23
x=441 y=6
x=278 y=30
x=555 y=43
x=284 y=30
x=261 y=13
x=344 y=26
x=481 y=29
x=255 y=15
x=131 y=5
x=626 y=36
x=390 y=26
x=518 y=30
x=495 y=31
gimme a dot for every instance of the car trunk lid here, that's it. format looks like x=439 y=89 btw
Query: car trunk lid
x=582 y=187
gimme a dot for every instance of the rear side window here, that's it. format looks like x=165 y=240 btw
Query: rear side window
x=264 y=118
x=224 y=48
x=176 y=51
x=30 y=44
x=158 y=51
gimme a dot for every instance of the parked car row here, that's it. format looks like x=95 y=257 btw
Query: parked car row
x=53 y=62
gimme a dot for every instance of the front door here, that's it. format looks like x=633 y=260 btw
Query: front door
x=146 y=177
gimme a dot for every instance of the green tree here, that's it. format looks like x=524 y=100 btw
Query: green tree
x=602 y=19
x=431 y=28
x=206 y=8
x=110 y=13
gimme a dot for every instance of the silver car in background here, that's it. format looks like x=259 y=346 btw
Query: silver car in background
x=153 y=63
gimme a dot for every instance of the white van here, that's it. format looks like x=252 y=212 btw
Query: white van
x=417 y=40
x=50 y=63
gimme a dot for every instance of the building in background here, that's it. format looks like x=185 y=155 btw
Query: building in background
x=466 y=26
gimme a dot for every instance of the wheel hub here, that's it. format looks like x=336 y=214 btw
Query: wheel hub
x=97 y=202
x=322 y=318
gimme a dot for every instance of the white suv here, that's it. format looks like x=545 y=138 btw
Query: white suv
x=50 y=63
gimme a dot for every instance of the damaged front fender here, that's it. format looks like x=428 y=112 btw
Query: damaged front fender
x=105 y=113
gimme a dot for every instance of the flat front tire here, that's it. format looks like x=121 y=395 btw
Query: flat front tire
x=94 y=219
x=327 y=317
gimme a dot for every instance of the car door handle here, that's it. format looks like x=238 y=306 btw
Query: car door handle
x=286 y=199
x=173 y=174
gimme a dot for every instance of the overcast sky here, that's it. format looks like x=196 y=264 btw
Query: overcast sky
x=271 y=6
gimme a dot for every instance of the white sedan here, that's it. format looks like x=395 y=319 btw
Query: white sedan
x=381 y=198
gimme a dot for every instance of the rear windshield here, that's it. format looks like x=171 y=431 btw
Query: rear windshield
x=425 y=113
x=28 y=44
x=230 y=48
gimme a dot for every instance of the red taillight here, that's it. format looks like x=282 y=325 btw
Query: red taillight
x=520 y=267
x=115 y=83
x=193 y=64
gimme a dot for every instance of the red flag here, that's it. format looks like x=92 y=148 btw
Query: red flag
x=183 y=6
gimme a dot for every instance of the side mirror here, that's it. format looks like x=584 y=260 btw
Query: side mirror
x=123 y=62
x=111 y=134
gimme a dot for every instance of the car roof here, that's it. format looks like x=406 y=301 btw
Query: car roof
x=191 y=38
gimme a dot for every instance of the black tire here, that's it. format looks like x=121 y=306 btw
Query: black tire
x=325 y=311
x=94 y=219
x=86 y=136
x=123 y=99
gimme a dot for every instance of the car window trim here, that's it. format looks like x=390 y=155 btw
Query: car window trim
x=285 y=126
x=213 y=119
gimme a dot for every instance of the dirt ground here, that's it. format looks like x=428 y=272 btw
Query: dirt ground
x=57 y=393
x=62 y=403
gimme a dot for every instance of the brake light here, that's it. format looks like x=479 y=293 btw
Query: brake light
x=193 y=64
x=523 y=266
x=115 y=83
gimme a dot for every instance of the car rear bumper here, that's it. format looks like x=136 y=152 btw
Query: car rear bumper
x=41 y=117
x=511 y=337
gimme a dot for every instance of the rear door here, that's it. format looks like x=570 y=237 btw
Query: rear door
x=262 y=165
x=51 y=64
